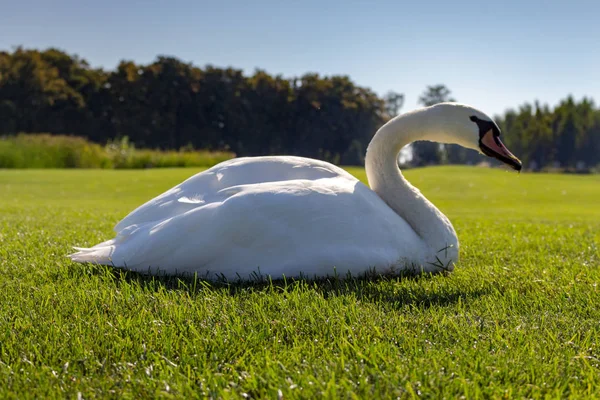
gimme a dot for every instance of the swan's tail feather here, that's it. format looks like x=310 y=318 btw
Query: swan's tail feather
x=95 y=255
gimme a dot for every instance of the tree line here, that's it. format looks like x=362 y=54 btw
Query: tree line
x=169 y=104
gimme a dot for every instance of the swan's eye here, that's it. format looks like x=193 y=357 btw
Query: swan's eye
x=485 y=126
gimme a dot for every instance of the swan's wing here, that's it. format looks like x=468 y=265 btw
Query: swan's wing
x=213 y=184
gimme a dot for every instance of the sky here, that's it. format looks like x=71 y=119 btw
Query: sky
x=492 y=55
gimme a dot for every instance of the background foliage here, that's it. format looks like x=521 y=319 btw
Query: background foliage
x=60 y=151
x=169 y=104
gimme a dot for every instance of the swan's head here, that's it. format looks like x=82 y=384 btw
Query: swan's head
x=473 y=129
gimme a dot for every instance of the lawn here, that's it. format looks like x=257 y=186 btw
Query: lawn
x=518 y=318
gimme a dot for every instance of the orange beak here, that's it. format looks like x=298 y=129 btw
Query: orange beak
x=491 y=146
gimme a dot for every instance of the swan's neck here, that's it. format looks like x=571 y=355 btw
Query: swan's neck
x=385 y=178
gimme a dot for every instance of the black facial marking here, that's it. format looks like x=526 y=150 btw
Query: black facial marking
x=485 y=126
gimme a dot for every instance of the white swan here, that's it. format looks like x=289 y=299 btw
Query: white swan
x=292 y=216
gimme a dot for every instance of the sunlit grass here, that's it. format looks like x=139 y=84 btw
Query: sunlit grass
x=60 y=151
x=518 y=317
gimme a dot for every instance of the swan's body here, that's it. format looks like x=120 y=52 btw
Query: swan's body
x=277 y=215
x=290 y=216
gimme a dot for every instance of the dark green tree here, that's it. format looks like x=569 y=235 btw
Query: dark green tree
x=171 y=104
x=393 y=103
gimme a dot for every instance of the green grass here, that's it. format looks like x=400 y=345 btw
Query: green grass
x=59 y=151
x=519 y=317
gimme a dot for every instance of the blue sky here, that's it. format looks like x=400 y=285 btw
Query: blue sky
x=493 y=55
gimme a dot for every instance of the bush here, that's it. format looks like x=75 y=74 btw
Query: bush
x=59 y=151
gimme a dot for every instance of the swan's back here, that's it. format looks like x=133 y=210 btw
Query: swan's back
x=211 y=185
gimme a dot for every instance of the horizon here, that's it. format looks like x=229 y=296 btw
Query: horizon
x=512 y=59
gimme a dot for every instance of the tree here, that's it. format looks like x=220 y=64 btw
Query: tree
x=393 y=103
x=171 y=104
x=435 y=94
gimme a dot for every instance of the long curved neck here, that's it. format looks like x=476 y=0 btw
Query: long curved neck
x=385 y=178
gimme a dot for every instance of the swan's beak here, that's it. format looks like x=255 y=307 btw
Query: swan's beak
x=491 y=146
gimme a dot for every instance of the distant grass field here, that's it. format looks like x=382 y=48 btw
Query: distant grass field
x=519 y=317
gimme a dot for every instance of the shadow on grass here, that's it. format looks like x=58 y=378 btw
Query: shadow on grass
x=396 y=291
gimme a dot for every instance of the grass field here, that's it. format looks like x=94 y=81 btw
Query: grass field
x=519 y=317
